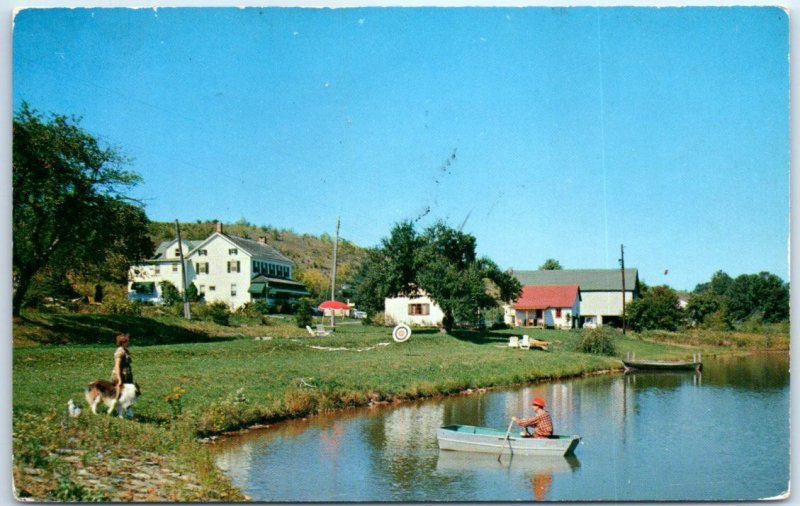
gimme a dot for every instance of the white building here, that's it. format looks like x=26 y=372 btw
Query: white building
x=419 y=310
x=601 y=290
x=223 y=267
x=551 y=306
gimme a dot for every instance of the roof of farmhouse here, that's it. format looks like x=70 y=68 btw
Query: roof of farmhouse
x=543 y=297
x=162 y=248
x=589 y=280
x=258 y=249
x=252 y=247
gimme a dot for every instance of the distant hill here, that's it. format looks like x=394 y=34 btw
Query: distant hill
x=312 y=255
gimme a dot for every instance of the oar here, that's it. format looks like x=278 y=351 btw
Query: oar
x=509 y=441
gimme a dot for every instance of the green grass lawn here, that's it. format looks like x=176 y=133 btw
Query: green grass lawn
x=229 y=380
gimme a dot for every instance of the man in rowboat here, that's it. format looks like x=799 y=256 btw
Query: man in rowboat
x=540 y=421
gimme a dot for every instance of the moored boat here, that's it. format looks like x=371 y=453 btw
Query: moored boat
x=661 y=365
x=469 y=438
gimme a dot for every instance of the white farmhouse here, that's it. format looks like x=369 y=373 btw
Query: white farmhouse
x=601 y=290
x=420 y=310
x=223 y=267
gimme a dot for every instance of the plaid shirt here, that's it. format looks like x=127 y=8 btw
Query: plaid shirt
x=541 y=423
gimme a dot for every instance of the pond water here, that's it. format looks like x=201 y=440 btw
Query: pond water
x=720 y=435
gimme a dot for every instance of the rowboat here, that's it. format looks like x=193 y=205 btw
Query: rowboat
x=661 y=365
x=467 y=438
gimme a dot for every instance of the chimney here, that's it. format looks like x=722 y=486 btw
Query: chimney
x=219 y=227
x=262 y=240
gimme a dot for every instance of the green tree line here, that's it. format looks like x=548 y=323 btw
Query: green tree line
x=722 y=303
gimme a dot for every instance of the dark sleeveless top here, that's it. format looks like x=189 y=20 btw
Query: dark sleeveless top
x=125 y=370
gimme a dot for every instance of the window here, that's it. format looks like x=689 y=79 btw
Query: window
x=201 y=267
x=212 y=288
x=419 y=309
x=558 y=312
x=233 y=290
x=201 y=290
x=157 y=269
x=257 y=267
x=174 y=267
x=233 y=251
x=202 y=252
x=234 y=266
x=271 y=269
x=177 y=252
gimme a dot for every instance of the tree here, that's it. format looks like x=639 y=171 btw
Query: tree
x=440 y=262
x=550 y=264
x=763 y=293
x=701 y=305
x=388 y=270
x=69 y=210
x=317 y=283
x=657 y=309
x=763 y=296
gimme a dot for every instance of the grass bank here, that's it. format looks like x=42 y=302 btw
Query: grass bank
x=199 y=379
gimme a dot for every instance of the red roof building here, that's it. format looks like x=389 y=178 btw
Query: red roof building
x=543 y=297
x=547 y=306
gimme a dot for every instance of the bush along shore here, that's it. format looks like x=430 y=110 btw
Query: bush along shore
x=200 y=379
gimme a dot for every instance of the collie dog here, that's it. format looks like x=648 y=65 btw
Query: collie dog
x=106 y=392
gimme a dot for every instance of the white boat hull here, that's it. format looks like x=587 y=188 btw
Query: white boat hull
x=467 y=438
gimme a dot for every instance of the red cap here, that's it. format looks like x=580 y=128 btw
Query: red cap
x=537 y=401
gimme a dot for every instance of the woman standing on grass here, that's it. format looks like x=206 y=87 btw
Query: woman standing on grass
x=122 y=372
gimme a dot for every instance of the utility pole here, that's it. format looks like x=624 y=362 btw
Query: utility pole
x=622 y=270
x=333 y=278
x=187 y=310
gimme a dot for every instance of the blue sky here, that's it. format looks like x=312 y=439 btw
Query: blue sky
x=547 y=132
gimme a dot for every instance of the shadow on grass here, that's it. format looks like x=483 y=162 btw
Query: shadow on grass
x=480 y=336
x=103 y=329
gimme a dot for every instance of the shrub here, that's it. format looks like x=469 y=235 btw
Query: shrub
x=263 y=307
x=230 y=413
x=716 y=321
x=127 y=308
x=192 y=294
x=249 y=310
x=169 y=293
x=753 y=324
x=378 y=319
x=304 y=315
x=599 y=341
x=217 y=312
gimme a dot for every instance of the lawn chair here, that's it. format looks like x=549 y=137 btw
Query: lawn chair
x=525 y=344
x=311 y=331
x=321 y=330
x=513 y=342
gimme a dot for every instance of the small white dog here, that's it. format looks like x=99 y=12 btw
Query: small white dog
x=106 y=392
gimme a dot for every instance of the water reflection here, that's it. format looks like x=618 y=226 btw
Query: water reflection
x=539 y=470
x=646 y=436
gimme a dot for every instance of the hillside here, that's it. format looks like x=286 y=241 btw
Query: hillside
x=312 y=255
